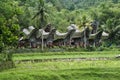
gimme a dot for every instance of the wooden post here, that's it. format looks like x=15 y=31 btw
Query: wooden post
x=42 y=41
x=70 y=41
x=84 y=37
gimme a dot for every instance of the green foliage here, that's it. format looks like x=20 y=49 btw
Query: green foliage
x=108 y=16
x=17 y=14
x=41 y=14
x=115 y=1
x=9 y=31
x=9 y=27
x=6 y=61
x=77 y=4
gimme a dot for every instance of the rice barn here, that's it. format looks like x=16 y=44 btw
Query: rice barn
x=50 y=37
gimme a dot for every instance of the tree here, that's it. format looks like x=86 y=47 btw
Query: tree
x=84 y=19
x=115 y=1
x=9 y=31
x=9 y=26
x=109 y=17
x=41 y=14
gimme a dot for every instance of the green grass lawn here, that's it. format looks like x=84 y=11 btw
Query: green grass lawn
x=52 y=55
x=77 y=70
x=64 y=70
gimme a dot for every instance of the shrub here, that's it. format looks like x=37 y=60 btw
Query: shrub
x=6 y=61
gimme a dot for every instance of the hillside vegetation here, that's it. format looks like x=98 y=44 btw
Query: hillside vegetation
x=18 y=14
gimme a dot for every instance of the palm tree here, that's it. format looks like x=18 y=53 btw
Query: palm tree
x=84 y=20
x=41 y=17
x=41 y=14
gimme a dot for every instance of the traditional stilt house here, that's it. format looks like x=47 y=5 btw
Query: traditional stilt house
x=49 y=37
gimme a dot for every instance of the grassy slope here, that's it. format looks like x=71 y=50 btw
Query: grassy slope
x=83 y=70
x=75 y=70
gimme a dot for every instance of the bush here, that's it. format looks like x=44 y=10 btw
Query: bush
x=6 y=61
x=1 y=46
x=91 y=48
